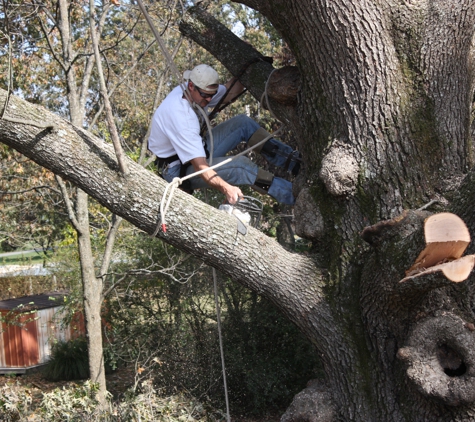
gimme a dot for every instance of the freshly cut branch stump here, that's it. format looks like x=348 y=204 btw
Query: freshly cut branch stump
x=447 y=238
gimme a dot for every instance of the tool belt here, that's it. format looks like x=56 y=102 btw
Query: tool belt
x=163 y=162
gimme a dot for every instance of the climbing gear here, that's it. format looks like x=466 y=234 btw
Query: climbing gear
x=221 y=348
x=257 y=137
x=263 y=181
x=163 y=162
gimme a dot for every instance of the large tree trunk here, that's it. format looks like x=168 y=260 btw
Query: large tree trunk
x=383 y=118
x=384 y=121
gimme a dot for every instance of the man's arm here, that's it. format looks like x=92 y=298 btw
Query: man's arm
x=232 y=193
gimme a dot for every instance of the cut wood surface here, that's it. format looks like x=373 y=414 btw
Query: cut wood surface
x=447 y=238
x=456 y=271
x=445 y=227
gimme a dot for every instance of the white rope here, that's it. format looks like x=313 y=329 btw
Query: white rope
x=218 y=317
x=266 y=96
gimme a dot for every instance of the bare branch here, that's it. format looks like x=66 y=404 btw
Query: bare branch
x=68 y=204
x=109 y=116
x=34 y=188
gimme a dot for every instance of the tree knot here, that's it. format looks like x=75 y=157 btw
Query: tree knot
x=339 y=170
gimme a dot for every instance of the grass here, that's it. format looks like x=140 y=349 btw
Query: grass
x=21 y=258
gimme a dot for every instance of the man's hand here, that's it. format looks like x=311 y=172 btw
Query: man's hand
x=232 y=193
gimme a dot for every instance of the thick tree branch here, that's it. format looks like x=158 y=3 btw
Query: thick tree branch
x=194 y=226
x=235 y=54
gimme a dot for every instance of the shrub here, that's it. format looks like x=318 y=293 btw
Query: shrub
x=69 y=361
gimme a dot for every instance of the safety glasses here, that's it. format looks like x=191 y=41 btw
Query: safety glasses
x=205 y=94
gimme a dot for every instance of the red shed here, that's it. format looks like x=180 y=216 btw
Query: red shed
x=28 y=325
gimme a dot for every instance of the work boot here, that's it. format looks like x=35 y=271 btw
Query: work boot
x=263 y=181
x=276 y=152
x=279 y=189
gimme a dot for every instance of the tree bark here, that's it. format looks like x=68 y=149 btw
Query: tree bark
x=383 y=118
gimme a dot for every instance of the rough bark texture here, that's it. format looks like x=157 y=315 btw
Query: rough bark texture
x=383 y=117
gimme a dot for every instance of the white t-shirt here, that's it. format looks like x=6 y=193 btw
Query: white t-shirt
x=175 y=127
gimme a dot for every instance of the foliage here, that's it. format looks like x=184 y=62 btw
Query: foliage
x=68 y=361
x=15 y=402
x=29 y=217
x=77 y=402
x=267 y=359
x=167 y=326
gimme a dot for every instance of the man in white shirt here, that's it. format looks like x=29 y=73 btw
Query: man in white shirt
x=175 y=140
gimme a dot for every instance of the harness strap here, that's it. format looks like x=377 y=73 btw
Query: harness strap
x=163 y=162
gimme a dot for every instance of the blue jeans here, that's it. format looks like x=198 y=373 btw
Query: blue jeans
x=241 y=170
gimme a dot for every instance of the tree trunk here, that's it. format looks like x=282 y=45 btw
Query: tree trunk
x=92 y=287
x=383 y=117
x=384 y=121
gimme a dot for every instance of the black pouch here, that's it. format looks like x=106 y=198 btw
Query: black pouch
x=186 y=185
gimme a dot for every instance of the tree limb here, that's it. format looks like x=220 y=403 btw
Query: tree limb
x=234 y=53
x=194 y=227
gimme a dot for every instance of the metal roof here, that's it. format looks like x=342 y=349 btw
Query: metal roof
x=34 y=302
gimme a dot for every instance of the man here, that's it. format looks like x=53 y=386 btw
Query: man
x=175 y=140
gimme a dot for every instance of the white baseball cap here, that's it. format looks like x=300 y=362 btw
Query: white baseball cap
x=203 y=76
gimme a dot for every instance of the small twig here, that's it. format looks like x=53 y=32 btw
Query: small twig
x=35 y=188
x=424 y=207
